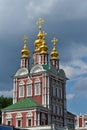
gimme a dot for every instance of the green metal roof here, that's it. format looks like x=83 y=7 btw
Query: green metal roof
x=25 y=103
x=46 y=67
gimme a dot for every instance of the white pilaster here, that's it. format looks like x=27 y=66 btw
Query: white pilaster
x=38 y=119
x=2 y=118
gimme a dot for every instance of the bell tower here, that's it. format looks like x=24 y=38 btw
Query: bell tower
x=54 y=61
x=40 y=55
x=25 y=54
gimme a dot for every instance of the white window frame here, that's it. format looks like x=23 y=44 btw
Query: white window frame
x=29 y=116
x=60 y=110
x=37 y=84
x=18 y=117
x=21 y=84
x=8 y=118
x=60 y=93
x=29 y=87
x=85 y=123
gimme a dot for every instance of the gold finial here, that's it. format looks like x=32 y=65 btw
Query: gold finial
x=54 y=52
x=25 y=51
x=43 y=47
x=54 y=41
x=25 y=38
x=39 y=23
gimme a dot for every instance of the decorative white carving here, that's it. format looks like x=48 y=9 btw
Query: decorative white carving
x=36 y=69
x=22 y=71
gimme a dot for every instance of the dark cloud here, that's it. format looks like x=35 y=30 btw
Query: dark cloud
x=64 y=19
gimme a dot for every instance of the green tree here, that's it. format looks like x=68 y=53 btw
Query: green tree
x=4 y=102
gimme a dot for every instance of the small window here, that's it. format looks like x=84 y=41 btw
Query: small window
x=37 y=87
x=60 y=93
x=85 y=123
x=29 y=90
x=9 y=119
x=60 y=110
x=19 y=123
x=9 y=123
x=21 y=89
x=29 y=122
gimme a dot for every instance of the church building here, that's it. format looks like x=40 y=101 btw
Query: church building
x=39 y=91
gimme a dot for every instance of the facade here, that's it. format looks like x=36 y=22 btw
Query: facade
x=81 y=122
x=39 y=92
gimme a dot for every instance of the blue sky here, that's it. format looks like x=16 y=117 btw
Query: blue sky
x=65 y=20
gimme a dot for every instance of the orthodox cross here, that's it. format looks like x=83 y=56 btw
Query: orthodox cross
x=25 y=39
x=39 y=23
x=54 y=41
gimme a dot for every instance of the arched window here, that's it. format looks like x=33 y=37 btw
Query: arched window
x=9 y=119
x=29 y=88
x=29 y=119
x=37 y=87
x=21 y=89
x=19 y=120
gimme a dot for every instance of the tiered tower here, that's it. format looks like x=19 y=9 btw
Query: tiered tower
x=39 y=92
x=40 y=52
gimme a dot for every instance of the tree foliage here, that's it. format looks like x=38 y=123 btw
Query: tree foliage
x=4 y=102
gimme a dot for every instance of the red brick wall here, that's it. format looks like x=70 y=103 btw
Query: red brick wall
x=80 y=122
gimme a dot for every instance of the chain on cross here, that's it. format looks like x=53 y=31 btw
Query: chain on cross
x=39 y=23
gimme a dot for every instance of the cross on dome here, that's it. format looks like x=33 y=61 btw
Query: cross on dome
x=39 y=23
x=54 y=52
x=54 y=41
x=25 y=51
x=25 y=38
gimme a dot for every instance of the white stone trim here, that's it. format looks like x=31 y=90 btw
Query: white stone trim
x=21 y=84
x=37 y=81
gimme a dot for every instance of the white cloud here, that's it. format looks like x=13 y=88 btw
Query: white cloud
x=70 y=96
x=78 y=50
x=81 y=85
x=76 y=66
x=6 y=93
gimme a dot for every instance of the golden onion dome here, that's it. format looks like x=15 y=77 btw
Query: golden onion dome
x=39 y=40
x=54 y=54
x=43 y=48
x=25 y=51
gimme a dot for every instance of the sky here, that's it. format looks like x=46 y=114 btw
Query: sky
x=65 y=20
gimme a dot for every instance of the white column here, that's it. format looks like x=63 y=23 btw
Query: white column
x=45 y=90
x=13 y=91
x=35 y=118
x=38 y=119
x=83 y=121
x=77 y=121
x=48 y=103
x=2 y=118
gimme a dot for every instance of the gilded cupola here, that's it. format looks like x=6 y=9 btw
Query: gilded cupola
x=43 y=47
x=40 y=35
x=54 y=53
x=25 y=51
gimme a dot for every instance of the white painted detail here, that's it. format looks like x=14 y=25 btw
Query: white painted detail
x=22 y=71
x=36 y=69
